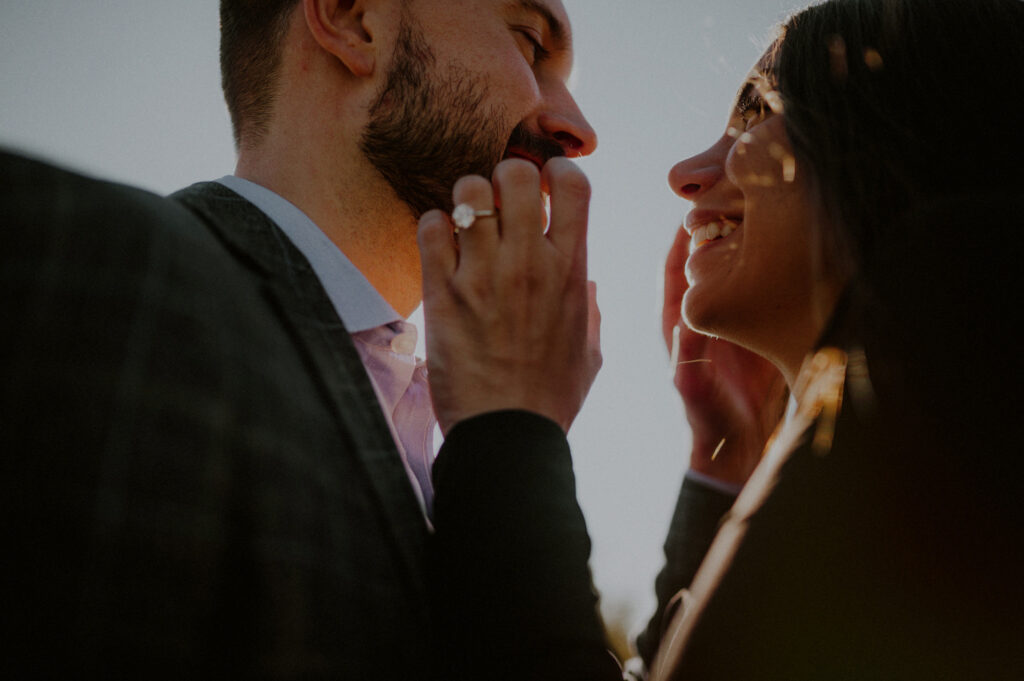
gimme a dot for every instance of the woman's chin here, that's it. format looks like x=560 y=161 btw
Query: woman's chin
x=699 y=313
x=714 y=316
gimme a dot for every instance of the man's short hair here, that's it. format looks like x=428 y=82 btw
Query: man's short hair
x=251 y=36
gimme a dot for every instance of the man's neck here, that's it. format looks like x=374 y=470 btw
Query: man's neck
x=359 y=213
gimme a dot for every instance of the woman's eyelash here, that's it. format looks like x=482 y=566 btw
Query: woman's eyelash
x=748 y=104
x=751 y=110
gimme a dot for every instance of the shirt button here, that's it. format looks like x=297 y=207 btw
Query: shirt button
x=404 y=344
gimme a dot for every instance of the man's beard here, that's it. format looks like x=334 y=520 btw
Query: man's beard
x=430 y=127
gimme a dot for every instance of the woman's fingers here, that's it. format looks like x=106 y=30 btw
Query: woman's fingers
x=517 y=186
x=570 y=205
x=438 y=254
x=509 y=324
x=675 y=284
x=478 y=241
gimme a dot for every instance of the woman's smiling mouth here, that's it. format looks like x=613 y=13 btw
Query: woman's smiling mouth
x=712 y=231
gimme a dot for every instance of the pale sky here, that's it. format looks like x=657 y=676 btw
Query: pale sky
x=130 y=91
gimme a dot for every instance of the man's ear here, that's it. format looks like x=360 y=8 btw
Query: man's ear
x=339 y=27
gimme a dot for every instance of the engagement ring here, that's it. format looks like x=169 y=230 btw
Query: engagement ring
x=465 y=215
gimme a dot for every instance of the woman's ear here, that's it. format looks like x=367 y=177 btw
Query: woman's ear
x=340 y=28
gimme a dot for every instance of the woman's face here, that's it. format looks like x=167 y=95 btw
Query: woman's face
x=753 y=278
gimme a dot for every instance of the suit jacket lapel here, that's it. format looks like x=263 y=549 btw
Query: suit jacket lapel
x=297 y=293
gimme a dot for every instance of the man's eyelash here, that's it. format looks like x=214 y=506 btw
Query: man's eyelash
x=540 y=53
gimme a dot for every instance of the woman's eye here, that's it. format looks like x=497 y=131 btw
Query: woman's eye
x=753 y=113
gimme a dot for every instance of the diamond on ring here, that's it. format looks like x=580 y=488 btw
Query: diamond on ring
x=465 y=215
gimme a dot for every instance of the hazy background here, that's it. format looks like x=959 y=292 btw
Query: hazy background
x=130 y=90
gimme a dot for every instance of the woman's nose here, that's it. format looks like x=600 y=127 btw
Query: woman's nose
x=696 y=175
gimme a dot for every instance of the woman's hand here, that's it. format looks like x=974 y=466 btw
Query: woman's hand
x=730 y=393
x=511 y=321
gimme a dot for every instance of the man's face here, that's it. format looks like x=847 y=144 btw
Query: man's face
x=472 y=82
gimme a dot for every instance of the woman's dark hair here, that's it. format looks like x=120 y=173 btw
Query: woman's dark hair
x=895 y=103
x=905 y=115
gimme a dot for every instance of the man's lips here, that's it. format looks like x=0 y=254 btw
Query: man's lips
x=526 y=156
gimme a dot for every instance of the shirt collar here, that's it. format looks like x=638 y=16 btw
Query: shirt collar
x=357 y=302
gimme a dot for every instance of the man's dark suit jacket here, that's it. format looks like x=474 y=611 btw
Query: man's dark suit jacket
x=198 y=480
x=197 y=473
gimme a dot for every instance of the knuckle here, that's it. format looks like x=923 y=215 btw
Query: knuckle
x=516 y=171
x=523 y=282
x=519 y=279
x=431 y=221
x=473 y=292
x=433 y=231
x=569 y=179
x=472 y=187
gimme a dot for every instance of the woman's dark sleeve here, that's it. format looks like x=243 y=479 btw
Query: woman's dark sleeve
x=698 y=514
x=511 y=583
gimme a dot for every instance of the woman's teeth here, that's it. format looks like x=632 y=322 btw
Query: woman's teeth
x=712 y=231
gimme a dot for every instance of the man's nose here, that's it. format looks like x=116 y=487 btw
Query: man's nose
x=563 y=122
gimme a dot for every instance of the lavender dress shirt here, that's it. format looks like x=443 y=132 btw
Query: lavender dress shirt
x=385 y=341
